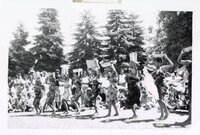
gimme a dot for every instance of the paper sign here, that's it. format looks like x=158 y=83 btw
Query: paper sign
x=64 y=69
x=107 y=63
x=92 y=64
x=133 y=56
x=77 y=70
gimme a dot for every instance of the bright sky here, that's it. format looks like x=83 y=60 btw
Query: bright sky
x=69 y=15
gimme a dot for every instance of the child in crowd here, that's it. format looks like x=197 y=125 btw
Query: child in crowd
x=11 y=102
x=87 y=97
x=19 y=84
x=29 y=103
x=19 y=104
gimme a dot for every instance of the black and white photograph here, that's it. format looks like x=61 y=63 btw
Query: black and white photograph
x=87 y=66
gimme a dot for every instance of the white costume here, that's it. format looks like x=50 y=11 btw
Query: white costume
x=149 y=84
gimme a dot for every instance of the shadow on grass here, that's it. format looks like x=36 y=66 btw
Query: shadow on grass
x=179 y=112
x=127 y=120
x=84 y=117
x=175 y=125
x=32 y=115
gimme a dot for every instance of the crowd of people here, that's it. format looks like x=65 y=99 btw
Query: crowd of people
x=132 y=88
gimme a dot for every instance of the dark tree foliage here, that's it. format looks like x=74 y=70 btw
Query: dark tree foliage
x=20 y=60
x=174 y=33
x=87 y=45
x=125 y=35
x=48 y=49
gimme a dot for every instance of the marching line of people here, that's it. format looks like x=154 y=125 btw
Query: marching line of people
x=58 y=90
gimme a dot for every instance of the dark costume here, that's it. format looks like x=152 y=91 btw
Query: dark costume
x=95 y=91
x=133 y=96
x=159 y=82
x=51 y=94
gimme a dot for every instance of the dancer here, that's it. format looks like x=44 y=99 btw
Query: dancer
x=67 y=93
x=57 y=84
x=76 y=96
x=112 y=96
x=188 y=64
x=133 y=97
x=51 y=95
x=158 y=75
x=95 y=92
x=38 y=94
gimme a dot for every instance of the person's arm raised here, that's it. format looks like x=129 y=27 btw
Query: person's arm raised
x=184 y=62
x=166 y=67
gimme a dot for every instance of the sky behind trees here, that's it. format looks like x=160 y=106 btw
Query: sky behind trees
x=69 y=17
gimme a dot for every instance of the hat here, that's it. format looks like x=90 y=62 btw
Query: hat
x=89 y=89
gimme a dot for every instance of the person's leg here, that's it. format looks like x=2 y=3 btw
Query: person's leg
x=27 y=108
x=45 y=104
x=64 y=102
x=161 y=109
x=165 y=110
x=36 y=109
x=35 y=106
x=134 y=110
x=38 y=105
x=115 y=107
x=95 y=106
x=39 y=109
x=77 y=106
x=52 y=107
x=109 y=108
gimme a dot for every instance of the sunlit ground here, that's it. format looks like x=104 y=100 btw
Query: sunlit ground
x=145 y=119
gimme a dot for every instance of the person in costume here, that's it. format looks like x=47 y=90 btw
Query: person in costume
x=76 y=96
x=38 y=94
x=67 y=93
x=51 y=95
x=133 y=97
x=159 y=76
x=188 y=64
